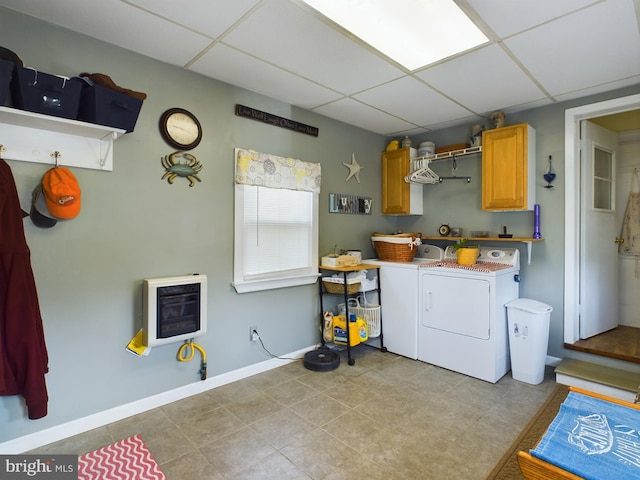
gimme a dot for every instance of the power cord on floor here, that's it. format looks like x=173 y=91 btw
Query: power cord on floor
x=255 y=332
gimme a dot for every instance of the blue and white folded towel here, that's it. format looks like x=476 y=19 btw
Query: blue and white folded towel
x=593 y=438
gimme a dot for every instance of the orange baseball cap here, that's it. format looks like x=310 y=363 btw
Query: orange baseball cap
x=61 y=192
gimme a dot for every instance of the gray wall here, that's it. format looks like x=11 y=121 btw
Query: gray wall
x=133 y=225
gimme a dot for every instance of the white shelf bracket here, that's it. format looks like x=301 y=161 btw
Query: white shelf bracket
x=528 y=252
x=106 y=144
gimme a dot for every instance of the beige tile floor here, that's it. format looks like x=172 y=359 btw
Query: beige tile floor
x=384 y=417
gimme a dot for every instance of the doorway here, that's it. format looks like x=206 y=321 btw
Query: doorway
x=573 y=117
x=598 y=229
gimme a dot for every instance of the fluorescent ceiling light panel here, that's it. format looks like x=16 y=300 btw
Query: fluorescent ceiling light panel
x=414 y=33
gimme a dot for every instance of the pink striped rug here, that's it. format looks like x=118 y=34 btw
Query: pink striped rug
x=128 y=459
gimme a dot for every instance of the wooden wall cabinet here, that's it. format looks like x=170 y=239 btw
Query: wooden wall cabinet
x=398 y=196
x=508 y=168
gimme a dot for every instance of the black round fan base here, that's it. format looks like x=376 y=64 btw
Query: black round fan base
x=321 y=360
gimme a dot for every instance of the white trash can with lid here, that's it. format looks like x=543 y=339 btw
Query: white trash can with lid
x=528 y=322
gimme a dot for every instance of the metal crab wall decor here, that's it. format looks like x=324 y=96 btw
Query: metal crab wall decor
x=174 y=168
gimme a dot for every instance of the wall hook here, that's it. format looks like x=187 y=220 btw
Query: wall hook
x=56 y=155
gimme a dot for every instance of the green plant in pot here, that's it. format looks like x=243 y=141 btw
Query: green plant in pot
x=333 y=259
x=466 y=253
x=333 y=253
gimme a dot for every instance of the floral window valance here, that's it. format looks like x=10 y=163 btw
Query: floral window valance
x=263 y=169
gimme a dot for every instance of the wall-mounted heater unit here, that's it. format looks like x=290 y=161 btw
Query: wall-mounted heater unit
x=174 y=309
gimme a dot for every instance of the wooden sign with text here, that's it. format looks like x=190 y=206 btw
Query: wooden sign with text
x=253 y=114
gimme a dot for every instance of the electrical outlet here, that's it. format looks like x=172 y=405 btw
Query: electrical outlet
x=253 y=333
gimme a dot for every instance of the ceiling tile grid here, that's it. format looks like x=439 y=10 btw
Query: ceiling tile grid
x=506 y=18
x=360 y=115
x=202 y=17
x=120 y=24
x=602 y=45
x=540 y=52
x=473 y=78
x=285 y=35
x=231 y=66
x=414 y=101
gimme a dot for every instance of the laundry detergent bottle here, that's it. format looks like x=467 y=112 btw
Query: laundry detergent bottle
x=361 y=326
x=358 y=331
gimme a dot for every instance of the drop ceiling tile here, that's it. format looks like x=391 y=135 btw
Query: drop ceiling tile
x=119 y=24
x=237 y=68
x=409 y=133
x=483 y=80
x=598 y=52
x=543 y=102
x=413 y=101
x=468 y=120
x=599 y=89
x=284 y=34
x=508 y=17
x=211 y=18
x=355 y=113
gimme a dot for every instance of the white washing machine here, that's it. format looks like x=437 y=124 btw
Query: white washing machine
x=462 y=317
x=399 y=303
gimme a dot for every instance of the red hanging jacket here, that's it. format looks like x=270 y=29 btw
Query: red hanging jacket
x=23 y=353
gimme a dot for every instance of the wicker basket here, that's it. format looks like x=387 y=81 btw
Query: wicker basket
x=396 y=248
x=369 y=313
x=336 y=286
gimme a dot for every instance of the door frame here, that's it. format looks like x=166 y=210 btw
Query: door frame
x=572 y=119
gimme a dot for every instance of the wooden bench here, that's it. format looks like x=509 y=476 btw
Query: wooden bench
x=533 y=468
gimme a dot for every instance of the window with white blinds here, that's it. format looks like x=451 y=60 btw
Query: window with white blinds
x=276 y=238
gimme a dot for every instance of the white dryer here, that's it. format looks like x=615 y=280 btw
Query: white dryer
x=462 y=314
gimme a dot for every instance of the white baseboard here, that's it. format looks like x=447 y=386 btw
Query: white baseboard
x=552 y=361
x=60 y=432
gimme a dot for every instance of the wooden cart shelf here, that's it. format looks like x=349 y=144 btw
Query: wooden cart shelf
x=353 y=268
x=346 y=296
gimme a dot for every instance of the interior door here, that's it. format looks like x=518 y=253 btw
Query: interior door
x=598 y=250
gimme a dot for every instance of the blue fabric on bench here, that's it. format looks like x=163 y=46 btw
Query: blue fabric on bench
x=594 y=439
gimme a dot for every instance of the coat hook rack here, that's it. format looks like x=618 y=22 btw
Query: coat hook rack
x=32 y=137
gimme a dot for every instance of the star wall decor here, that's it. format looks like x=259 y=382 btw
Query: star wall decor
x=354 y=168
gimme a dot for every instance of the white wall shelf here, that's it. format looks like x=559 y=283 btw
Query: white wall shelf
x=32 y=137
x=421 y=173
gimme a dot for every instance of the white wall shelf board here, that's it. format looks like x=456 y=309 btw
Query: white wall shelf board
x=526 y=241
x=421 y=173
x=32 y=137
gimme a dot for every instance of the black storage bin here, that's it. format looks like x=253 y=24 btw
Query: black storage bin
x=41 y=92
x=6 y=72
x=105 y=106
